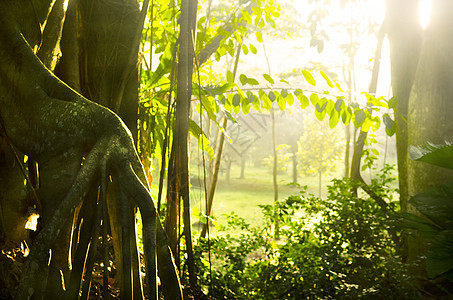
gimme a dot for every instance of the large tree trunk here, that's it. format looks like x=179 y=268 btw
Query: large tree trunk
x=405 y=37
x=430 y=105
x=108 y=76
x=77 y=144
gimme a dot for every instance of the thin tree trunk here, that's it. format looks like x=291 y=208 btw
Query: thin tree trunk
x=358 y=148
x=347 y=151
x=351 y=84
x=243 y=161
x=294 y=157
x=218 y=159
x=214 y=179
x=228 y=171
x=178 y=188
x=319 y=184
x=274 y=176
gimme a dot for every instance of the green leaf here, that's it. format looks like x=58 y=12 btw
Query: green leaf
x=320 y=111
x=252 y=81
x=339 y=104
x=272 y=96
x=268 y=78
x=334 y=119
x=436 y=205
x=256 y=102
x=360 y=117
x=243 y=79
x=439 y=155
x=281 y=102
x=327 y=79
x=338 y=86
x=304 y=102
x=284 y=81
x=440 y=254
x=208 y=107
x=388 y=122
x=346 y=116
x=245 y=49
x=376 y=123
x=246 y=16
x=390 y=126
x=314 y=98
x=320 y=115
x=237 y=109
x=290 y=99
x=230 y=77
x=308 y=77
x=366 y=124
x=236 y=100
x=246 y=106
x=423 y=225
x=330 y=109
x=393 y=102
x=203 y=142
x=284 y=93
x=253 y=49
x=229 y=102
x=302 y=98
x=390 y=132
x=321 y=108
x=267 y=104
x=259 y=37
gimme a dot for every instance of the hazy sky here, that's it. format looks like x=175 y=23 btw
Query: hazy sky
x=286 y=53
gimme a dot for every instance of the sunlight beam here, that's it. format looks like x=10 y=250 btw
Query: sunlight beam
x=424 y=12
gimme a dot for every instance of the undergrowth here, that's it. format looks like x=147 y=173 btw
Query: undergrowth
x=341 y=247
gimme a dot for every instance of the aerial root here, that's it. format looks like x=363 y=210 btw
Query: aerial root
x=96 y=164
x=135 y=189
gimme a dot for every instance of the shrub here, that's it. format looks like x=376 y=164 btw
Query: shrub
x=340 y=247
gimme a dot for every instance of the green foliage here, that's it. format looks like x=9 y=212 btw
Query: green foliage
x=436 y=208
x=334 y=248
x=222 y=29
x=319 y=149
x=283 y=159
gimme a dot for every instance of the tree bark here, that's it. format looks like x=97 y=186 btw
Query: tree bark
x=430 y=105
x=56 y=127
x=405 y=37
x=178 y=183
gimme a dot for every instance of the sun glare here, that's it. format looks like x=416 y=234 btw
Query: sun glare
x=424 y=11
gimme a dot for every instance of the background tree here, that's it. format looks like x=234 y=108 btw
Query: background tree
x=319 y=150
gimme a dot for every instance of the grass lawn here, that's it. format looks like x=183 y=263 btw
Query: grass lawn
x=244 y=195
